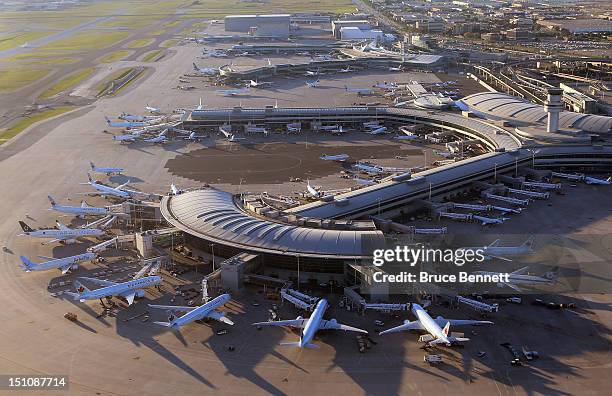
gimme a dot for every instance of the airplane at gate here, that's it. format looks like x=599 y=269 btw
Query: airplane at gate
x=82 y=210
x=127 y=290
x=207 y=310
x=311 y=325
x=108 y=171
x=63 y=264
x=438 y=335
x=61 y=233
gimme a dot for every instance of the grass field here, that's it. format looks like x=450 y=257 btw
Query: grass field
x=16 y=78
x=17 y=39
x=87 y=40
x=22 y=124
x=139 y=43
x=39 y=59
x=168 y=43
x=67 y=83
x=114 y=56
x=158 y=32
x=117 y=75
x=152 y=56
x=132 y=22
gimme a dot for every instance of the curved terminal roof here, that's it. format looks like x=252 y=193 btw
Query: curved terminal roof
x=213 y=215
x=506 y=106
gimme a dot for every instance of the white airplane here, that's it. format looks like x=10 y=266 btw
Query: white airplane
x=232 y=92
x=337 y=157
x=63 y=264
x=593 y=180
x=359 y=91
x=127 y=290
x=386 y=85
x=258 y=84
x=312 y=191
x=207 y=71
x=61 y=233
x=501 y=252
x=379 y=131
x=437 y=335
x=125 y=124
x=347 y=70
x=108 y=171
x=152 y=110
x=207 y=310
x=518 y=277
x=478 y=305
x=161 y=138
x=107 y=190
x=373 y=170
x=489 y=220
x=310 y=73
x=129 y=138
x=313 y=84
x=83 y=210
x=311 y=325
x=130 y=117
x=193 y=137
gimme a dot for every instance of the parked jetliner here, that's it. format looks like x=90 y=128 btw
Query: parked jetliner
x=127 y=290
x=359 y=91
x=61 y=233
x=311 y=325
x=207 y=71
x=232 y=92
x=161 y=138
x=593 y=180
x=108 y=171
x=107 y=190
x=312 y=84
x=337 y=157
x=379 y=131
x=437 y=334
x=83 y=210
x=129 y=138
x=152 y=110
x=373 y=170
x=207 y=310
x=501 y=252
x=64 y=264
x=125 y=124
x=518 y=278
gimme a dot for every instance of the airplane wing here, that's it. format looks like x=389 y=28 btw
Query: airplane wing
x=333 y=325
x=216 y=315
x=174 y=308
x=520 y=271
x=460 y=322
x=408 y=325
x=100 y=282
x=299 y=323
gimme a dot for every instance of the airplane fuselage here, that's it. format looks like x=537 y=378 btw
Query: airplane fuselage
x=62 y=262
x=313 y=323
x=121 y=288
x=429 y=324
x=200 y=312
x=80 y=210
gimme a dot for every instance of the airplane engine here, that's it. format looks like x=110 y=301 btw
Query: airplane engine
x=140 y=293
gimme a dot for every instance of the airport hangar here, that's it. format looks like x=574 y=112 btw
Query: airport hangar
x=325 y=238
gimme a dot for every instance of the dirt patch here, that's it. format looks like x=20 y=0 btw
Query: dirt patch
x=274 y=163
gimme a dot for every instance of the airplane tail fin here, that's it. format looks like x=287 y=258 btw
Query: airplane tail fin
x=53 y=203
x=25 y=227
x=80 y=287
x=27 y=264
x=91 y=165
x=195 y=67
x=446 y=329
x=84 y=204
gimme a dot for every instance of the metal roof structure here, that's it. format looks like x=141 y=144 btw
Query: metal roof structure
x=214 y=216
x=504 y=106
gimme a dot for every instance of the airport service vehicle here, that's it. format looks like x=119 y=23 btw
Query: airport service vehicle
x=207 y=310
x=83 y=210
x=127 y=290
x=108 y=171
x=311 y=325
x=63 y=264
x=437 y=335
x=61 y=233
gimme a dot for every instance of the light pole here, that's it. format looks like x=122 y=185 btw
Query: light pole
x=212 y=249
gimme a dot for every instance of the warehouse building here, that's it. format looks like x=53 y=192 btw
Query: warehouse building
x=272 y=25
x=350 y=33
x=338 y=25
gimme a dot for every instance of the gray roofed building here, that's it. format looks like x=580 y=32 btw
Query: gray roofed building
x=503 y=106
